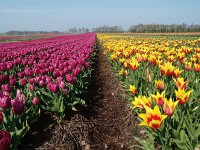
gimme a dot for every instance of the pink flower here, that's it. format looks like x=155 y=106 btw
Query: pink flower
x=31 y=87
x=61 y=85
x=17 y=106
x=69 y=78
x=6 y=88
x=35 y=101
x=41 y=83
x=5 y=140
x=4 y=102
x=22 y=81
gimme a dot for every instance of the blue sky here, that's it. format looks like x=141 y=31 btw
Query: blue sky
x=60 y=15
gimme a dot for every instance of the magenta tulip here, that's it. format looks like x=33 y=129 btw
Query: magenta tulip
x=5 y=140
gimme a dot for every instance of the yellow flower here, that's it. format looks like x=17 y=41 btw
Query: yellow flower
x=133 y=64
x=141 y=102
x=167 y=68
x=177 y=72
x=133 y=89
x=180 y=83
x=182 y=96
x=160 y=84
x=169 y=106
x=152 y=118
x=159 y=98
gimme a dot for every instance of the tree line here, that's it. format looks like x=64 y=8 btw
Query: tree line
x=163 y=28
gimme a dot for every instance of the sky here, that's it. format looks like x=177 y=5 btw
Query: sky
x=60 y=15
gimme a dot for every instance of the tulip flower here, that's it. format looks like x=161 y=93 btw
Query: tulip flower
x=132 y=89
x=6 y=87
x=133 y=64
x=69 y=78
x=167 y=69
x=152 y=118
x=177 y=72
x=182 y=96
x=35 y=101
x=4 y=102
x=180 y=83
x=169 y=106
x=159 y=98
x=5 y=140
x=141 y=102
x=22 y=81
x=17 y=106
x=159 y=84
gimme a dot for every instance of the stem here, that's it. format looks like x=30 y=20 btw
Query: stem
x=160 y=137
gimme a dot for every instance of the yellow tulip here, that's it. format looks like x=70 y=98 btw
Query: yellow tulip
x=152 y=118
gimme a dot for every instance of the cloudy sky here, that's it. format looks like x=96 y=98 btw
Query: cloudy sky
x=60 y=15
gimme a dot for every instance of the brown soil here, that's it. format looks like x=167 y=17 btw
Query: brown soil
x=106 y=122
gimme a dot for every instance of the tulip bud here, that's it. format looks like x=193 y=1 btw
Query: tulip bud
x=6 y=88
x=69 y=78
x=4 y=102
x=17 y=106
x=41 y=83
x=35 y=101
x=22 y=82
x=61 y=85
x=65 y=91
x=31 y=87
x=12 y=81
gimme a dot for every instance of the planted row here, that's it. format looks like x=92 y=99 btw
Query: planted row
x=48 y=75
x=162 y=78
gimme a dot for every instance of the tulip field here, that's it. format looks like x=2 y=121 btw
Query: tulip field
x=46 y=74
x=161 y=76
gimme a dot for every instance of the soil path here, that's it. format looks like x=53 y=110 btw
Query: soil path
x=106 y=123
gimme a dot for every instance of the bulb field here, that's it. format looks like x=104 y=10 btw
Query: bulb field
x=161 y=76
x=104 y=91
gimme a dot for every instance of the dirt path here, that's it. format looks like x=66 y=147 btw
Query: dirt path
x=106 y=123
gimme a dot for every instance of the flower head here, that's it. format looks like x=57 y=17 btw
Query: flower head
x=159 y=98
x=160 y=84
x=5 y=140
x=152 y=118
x=182 y=96
x=180 y=83
x=141 y=102
x=169 y=106
x=132 y=89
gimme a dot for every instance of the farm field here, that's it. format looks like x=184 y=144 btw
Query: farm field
x=101 y=91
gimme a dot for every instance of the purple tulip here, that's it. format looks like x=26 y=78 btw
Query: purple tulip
x=41 y=83
x=65 y=91
x=5 y=140
x=12 y=81
x=69 y=78
x=35 y=101
x=2 y=78
x=6 y=87
x=31 y=87
x=23 y=82
x=4 y=102
x=20 y=74
x=61 y=85
x=53 y=87
x=17 y=106
x=9 y=66
x=31 y=80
